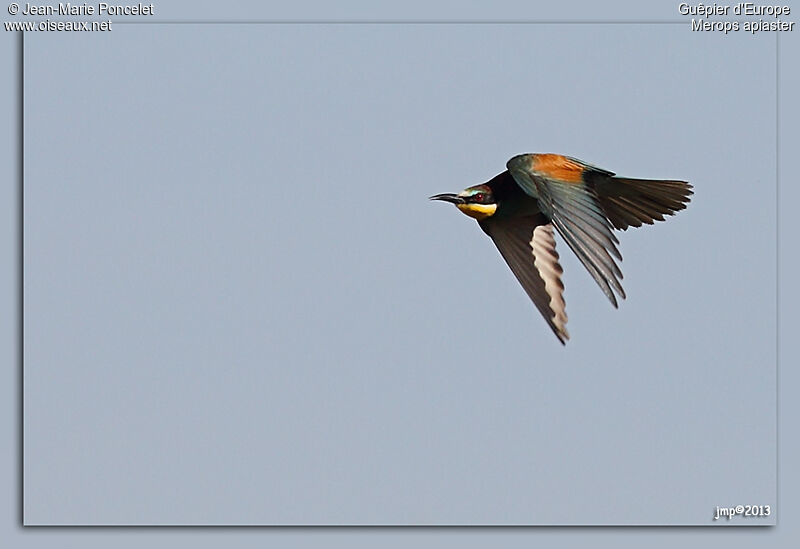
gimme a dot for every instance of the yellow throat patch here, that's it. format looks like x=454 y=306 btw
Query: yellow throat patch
x=478 y=211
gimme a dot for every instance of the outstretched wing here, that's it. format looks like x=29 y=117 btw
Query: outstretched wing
x=528 y=246
x=573 y=207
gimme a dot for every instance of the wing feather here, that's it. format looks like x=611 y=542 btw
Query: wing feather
x=529 y=248
x=576 y=213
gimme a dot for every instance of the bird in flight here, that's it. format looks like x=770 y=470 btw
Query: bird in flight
x=520 y=207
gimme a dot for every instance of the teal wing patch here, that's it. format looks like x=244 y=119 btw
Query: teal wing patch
x=574 y=209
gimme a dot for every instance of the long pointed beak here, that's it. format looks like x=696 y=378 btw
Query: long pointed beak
x=448 y=197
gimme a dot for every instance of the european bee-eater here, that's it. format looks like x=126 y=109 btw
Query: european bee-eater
x=519 y=208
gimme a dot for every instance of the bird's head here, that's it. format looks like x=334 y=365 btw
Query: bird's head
x=478 y=201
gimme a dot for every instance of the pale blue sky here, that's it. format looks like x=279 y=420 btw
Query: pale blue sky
x=240 y=307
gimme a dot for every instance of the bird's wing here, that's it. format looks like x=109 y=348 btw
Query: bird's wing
x=528 y=246
x=572 y=205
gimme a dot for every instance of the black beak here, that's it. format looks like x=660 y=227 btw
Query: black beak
x=448 y=197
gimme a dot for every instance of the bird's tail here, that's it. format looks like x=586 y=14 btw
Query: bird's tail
x=632 y=202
